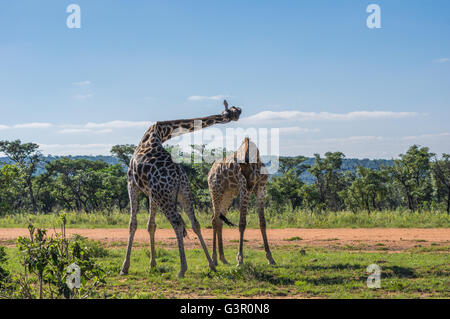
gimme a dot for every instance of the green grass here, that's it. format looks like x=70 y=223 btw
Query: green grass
x=275 y=219
x=318 y=273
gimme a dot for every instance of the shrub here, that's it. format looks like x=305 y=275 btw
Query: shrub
x=46 y=264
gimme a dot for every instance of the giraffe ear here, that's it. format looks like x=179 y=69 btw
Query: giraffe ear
x=226 y=104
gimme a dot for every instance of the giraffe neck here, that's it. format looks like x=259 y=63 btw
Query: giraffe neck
x=169 y=129
x=160 y=132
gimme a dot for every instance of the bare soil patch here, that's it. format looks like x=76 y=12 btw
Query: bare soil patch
x=392 y=239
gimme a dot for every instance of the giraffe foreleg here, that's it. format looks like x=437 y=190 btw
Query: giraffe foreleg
x=224 y=205
x=214 y=227
x=262 y=223
x=244 y=197
x=220 y=242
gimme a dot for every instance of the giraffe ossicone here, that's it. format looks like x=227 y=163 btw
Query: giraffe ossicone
x=153 y=172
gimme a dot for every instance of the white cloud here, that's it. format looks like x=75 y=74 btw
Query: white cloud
x=265 y=116
x=297 y=129
x=82 y=96
x=91 y=127
x=75 y=149
x=201 y=98
x=118 y=124
x=82 y=83
x=33 y=125
x=425 y=136
x=442 y=60
x=27 y=125
x=84 y=130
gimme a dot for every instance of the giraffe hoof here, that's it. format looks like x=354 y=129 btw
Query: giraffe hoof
x=212 y=267
x=240 y=260
x=225 y=262
x=272 y=262
x=123 y=273
x=180 y=274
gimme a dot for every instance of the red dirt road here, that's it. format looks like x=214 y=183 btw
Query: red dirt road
x=393 y=239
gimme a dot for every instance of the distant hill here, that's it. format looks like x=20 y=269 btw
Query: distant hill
x=348 y=164
x=108 y=159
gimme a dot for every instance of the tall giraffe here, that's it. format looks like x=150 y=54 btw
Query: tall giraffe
x=153 y=172
x=241 y=173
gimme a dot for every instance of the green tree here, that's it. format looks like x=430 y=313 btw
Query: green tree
x=76 y=182
x=293 y=163
x=114 y=191
x=441 y=179
x=11 y=188
x=367 y=190
x=123 y=152
x=285 y=189
x=412 y=173
x=26 y=156
x=329 y=179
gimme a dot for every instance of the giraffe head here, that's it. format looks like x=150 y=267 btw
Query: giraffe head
x=231 y=113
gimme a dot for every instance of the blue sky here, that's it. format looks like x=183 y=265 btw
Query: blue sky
x=311 y=68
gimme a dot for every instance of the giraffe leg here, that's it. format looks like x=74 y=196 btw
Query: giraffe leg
x=227 y=199
x=169 y=209
x=197 y=231
x=179 y=232
x=244 y=197
x=133 y=193
x=151 y=227
x=262 y=223
x=185 y=197
x=216 y=202
x=214 y=226
x=220 y=242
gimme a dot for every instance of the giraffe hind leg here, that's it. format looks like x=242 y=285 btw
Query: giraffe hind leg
x=185 y=197
x=169 y=210
x=151 y=227
x=133 y=193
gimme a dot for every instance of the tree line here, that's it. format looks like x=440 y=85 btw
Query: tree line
x=417 y=180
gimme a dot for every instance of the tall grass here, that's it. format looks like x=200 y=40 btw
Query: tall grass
x=282 y=218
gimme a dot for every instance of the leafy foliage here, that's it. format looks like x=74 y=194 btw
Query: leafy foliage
x=46 y=261
x=415 y=181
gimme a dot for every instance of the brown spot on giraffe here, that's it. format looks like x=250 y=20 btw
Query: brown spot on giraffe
x=241 y=173
x=153 y=172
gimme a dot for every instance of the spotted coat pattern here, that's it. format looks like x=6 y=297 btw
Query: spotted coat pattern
x=241 y=173
x=153 y=172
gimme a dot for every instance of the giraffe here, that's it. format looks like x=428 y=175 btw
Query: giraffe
x=153 y=172
x=241 y=173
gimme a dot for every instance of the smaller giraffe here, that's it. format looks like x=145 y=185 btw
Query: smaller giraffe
x=241 y=173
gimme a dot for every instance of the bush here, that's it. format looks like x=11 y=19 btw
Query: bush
x=47 y=262
x=4 y=274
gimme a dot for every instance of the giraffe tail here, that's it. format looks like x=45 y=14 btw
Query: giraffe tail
x=226 y=221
